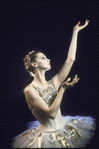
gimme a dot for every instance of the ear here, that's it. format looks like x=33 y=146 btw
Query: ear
x=34 y=64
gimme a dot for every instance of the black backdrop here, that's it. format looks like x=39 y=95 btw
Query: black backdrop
x=45 y=25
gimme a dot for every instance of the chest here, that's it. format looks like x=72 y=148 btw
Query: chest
x=48 y=94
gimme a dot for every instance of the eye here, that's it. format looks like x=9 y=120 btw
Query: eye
x=43 y=58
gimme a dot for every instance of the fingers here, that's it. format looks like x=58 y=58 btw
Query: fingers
x=78 y=23
x=66 y=82
x=86 y=23
x=76 y=79
x=68 y=79
x=87 y=20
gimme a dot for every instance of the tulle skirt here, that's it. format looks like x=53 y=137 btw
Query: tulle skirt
x=76 y=133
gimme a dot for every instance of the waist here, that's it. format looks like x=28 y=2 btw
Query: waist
x=52 y=124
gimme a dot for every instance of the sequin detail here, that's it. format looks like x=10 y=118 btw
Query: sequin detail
x=48 y=94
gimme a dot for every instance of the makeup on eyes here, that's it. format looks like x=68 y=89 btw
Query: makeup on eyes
x=43 y=57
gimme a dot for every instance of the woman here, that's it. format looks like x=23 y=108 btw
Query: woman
x=52 y=130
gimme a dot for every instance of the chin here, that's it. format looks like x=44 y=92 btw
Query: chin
x=48 y=69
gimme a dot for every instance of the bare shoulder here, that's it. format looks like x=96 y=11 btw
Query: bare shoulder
x=26 y=89
x=29 y=91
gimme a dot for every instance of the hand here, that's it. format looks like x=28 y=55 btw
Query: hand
x=67 y=85
x=78 y=28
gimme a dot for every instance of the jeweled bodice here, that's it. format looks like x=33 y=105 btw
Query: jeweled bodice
x=48 y=94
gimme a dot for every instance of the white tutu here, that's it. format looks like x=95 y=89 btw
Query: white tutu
x=77 y=133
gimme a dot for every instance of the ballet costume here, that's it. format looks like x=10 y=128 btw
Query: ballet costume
x=61 y=132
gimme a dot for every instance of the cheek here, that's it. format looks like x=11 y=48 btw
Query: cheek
x=41 y=64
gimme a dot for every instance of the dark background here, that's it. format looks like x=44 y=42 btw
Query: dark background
x=45 y=25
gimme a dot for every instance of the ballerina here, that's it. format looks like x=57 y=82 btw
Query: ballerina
x=52 y=130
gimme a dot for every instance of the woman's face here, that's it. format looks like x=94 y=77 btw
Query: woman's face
x=42 y=61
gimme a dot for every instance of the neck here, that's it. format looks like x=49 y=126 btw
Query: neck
x=39 y=78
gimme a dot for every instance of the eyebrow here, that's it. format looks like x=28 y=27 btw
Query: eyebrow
x=42 y=55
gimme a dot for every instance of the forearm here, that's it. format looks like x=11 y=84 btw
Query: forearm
x=73 y=47
x=56 y=104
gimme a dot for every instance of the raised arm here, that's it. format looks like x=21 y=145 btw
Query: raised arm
x=63 y=73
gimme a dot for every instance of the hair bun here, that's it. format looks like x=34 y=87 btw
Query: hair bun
x=27 y=61
x=29 y=58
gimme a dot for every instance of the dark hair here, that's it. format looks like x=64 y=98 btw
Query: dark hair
x=31 y=57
